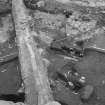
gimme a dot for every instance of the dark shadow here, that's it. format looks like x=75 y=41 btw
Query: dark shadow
x=12 y=97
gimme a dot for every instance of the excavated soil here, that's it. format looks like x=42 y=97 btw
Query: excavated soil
x=70 y=35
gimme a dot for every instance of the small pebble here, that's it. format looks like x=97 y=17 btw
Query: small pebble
x=86 y=93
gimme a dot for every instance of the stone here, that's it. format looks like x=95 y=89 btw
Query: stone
x=86 y=93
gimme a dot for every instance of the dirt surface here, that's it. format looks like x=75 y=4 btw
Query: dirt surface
x=74 y=37
x=70 y=37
